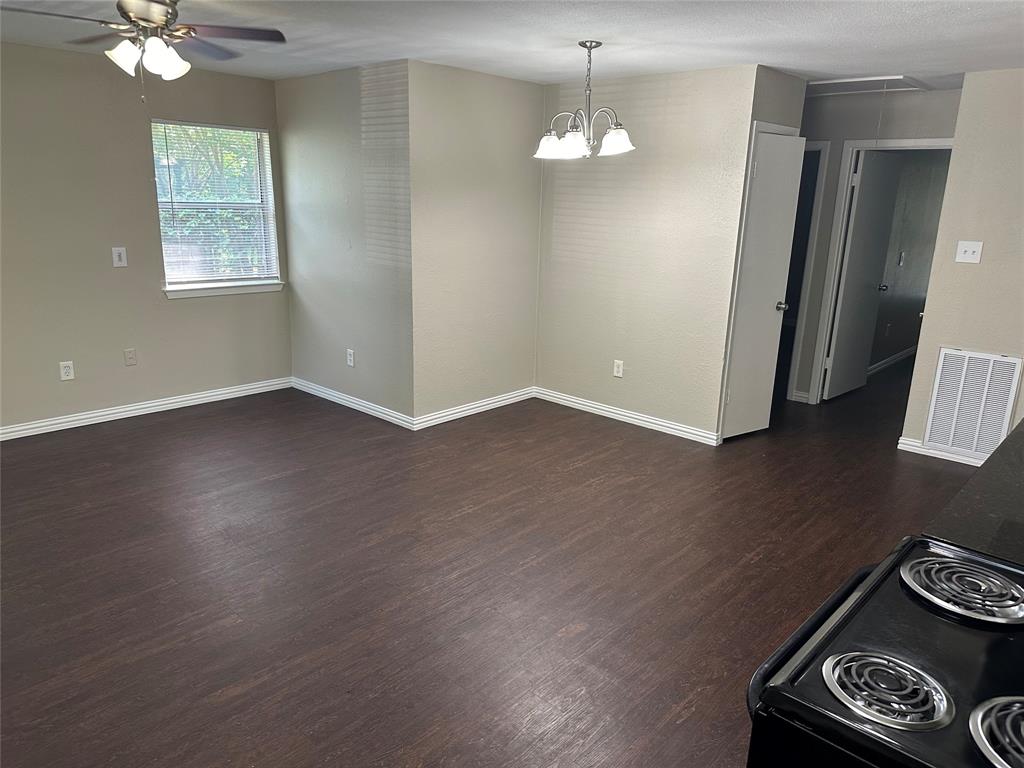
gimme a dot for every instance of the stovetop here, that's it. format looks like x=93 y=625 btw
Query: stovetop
x=898 y=670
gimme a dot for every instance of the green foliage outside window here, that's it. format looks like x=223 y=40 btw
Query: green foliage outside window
x=216 y=203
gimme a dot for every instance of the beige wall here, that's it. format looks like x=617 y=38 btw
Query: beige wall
x=423 y=257
x=637 y=250
x=778 y=97
x=76 y=180
x=475 y=219
x=345 y=155
x=914 y=225
x=913 y=115
x=979 y=307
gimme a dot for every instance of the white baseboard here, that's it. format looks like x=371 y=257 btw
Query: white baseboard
x=916 y=446
x=439 y=417
x=355 y=403
x=891 y=360
x=401 y=419
x=630 y=417
x=137 y=409
x=458 y=412
x=798 y=397
x=410 y=422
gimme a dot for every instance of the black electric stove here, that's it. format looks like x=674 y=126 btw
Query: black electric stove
x=916 y=662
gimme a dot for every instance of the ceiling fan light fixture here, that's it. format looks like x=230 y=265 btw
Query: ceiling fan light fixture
x=155 y=55
x=125 y=55
x=174 y=65
x=146 y=26
x=616 y=142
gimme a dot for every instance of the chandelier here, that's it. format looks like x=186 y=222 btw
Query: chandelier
x=578 y=139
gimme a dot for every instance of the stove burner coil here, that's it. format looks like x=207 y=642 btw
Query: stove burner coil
x=997 y=726
x=888 y=691
x=966 y=589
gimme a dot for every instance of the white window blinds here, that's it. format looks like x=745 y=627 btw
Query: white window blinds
x=216 y=198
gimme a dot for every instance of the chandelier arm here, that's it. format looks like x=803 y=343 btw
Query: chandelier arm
x=583 y=122
x=609 y=113
x=571 y=115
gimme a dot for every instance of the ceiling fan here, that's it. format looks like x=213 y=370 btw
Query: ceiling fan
x=149 y=30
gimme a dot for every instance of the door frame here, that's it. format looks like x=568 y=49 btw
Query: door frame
x=842 y=216
x=756 y=127
x=822 y=148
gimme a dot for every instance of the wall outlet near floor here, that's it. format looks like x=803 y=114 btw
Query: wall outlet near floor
x=129 y=357
x=119 y=255
x=67 y=370
x=617 y=369
x=969 y=251
x=350 y=358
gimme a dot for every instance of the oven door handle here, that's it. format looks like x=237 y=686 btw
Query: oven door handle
x=802 y=634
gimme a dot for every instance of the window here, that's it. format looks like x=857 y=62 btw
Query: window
x=215 y=193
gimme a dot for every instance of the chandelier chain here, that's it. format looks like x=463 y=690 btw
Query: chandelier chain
x=590 y=56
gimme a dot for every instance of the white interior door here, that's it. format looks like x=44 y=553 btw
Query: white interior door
x=867 y=242
x=769 y=217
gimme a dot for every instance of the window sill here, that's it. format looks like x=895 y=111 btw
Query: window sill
x=194 y=290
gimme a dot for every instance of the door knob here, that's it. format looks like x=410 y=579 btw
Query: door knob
x=781 y=306
x=883 y=287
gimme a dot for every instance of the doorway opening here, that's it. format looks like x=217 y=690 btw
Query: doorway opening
x=864 y=313
x=805 y=229
x=885 y=245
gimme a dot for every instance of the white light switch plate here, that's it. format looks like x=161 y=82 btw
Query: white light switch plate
x=119 y=255
x=968 y=251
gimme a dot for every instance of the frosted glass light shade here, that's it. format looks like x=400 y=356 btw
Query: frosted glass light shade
x=549 y=147
x=174 y=65
x=574 y=145
x=154 y=55
x=126 y=55
x=615 y=142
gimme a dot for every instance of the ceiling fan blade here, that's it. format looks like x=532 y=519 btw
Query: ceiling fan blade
x=239 y=33
x=55 y=15
x=105 y=37
x=208 y=49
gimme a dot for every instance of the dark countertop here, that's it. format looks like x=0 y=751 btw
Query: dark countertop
x=988 y=513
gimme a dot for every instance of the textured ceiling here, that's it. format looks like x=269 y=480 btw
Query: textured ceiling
x=536 y=40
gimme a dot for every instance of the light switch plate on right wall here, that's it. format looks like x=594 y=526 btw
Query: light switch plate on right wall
x=969 y=251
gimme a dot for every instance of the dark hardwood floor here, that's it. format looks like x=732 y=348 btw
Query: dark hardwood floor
x=279 y=581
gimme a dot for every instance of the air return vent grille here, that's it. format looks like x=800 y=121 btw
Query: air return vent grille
x=972 y=401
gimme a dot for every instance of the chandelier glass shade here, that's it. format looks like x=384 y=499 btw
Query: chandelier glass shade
x=578 y=139
x=615 y=142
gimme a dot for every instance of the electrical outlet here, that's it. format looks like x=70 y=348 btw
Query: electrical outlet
x=119 y=255
x=129 y=357
x=969 y=251
x=617 y=369
x=67 y=370
x=350 y=358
